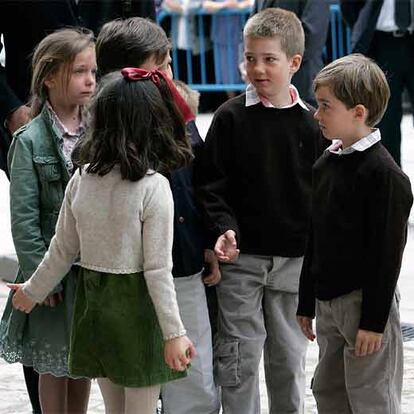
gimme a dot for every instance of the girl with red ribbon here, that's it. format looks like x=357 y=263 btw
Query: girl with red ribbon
x=140 y=43
x=117 y=221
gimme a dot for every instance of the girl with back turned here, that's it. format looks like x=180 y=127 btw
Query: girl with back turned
x=117 y=216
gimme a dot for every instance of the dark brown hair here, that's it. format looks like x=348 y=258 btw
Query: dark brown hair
x=136 y=125
x=129 y=43
x=356 y=79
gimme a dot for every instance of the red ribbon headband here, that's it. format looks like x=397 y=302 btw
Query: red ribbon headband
x=136 y=74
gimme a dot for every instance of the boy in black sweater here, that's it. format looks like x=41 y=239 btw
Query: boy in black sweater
x=254 y=186
x=360 y=207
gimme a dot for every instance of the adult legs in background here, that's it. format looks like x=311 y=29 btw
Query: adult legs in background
x=395 y=55
x=5 y=140
x=211 y=296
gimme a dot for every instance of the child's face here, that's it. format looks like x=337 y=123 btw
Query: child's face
x=82 y=80
x=268 y=67
x=164 y=66
x=335 y=119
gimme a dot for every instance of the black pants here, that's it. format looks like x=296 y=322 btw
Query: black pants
x=395 y=55
x=212 y=305
x=5 y=141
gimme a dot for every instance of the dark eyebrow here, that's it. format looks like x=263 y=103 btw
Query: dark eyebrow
x=80 y=66
x=246 y=52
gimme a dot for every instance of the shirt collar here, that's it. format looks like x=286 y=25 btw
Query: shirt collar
x=60 y=126
x=361 y=145
x=253 y=98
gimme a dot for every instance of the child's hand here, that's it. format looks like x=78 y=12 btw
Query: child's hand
x=242 y=5
x=367 y=342
x=53 y=300
x=212 y=6
x=231 y=4
x=226 y=247
x=179 y=352
x=213 y=275
x=305 y=324
x=173 y=5
x=17 y=118
x=20 y=300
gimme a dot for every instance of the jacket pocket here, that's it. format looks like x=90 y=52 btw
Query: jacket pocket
x=49 y=171
x=226 y=366
x=48 y=168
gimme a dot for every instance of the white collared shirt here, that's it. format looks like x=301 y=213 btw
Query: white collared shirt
x=253 y=98
x=361 y=145
x=386 y=18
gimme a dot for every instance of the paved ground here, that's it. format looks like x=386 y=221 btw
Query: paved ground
x=13 y=398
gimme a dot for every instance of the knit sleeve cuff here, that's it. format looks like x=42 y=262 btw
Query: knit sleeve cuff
x=175 y=335
x=33 y=296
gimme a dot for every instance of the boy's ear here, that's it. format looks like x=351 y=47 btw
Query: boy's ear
x=295 y=62
x=361 y=112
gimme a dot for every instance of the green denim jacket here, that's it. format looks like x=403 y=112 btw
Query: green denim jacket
x=38 y=178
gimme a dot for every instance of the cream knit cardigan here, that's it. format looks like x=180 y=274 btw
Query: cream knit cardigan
x=115 y=226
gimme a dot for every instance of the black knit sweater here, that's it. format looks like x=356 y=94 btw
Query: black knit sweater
x=361 y=203
x=255 y=176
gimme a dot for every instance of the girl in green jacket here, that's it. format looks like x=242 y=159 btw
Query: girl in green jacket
x=63 y=81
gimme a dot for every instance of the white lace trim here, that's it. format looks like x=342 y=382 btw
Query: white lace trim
x=176 y=335
x=42 y=356
x=103 y=269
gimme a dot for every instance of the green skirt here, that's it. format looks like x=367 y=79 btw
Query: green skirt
x=115 y=331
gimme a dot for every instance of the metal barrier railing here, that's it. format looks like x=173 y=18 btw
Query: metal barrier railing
x=198 y=52
x=339 y=34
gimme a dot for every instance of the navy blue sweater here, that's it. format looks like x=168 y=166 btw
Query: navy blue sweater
x=189 y=234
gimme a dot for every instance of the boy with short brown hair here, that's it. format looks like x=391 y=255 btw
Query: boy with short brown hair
x=360 y=206
x=254 y=185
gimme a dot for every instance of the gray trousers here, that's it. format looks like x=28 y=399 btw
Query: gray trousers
x=257 y=299
x=344 y=383
x=197 y=393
